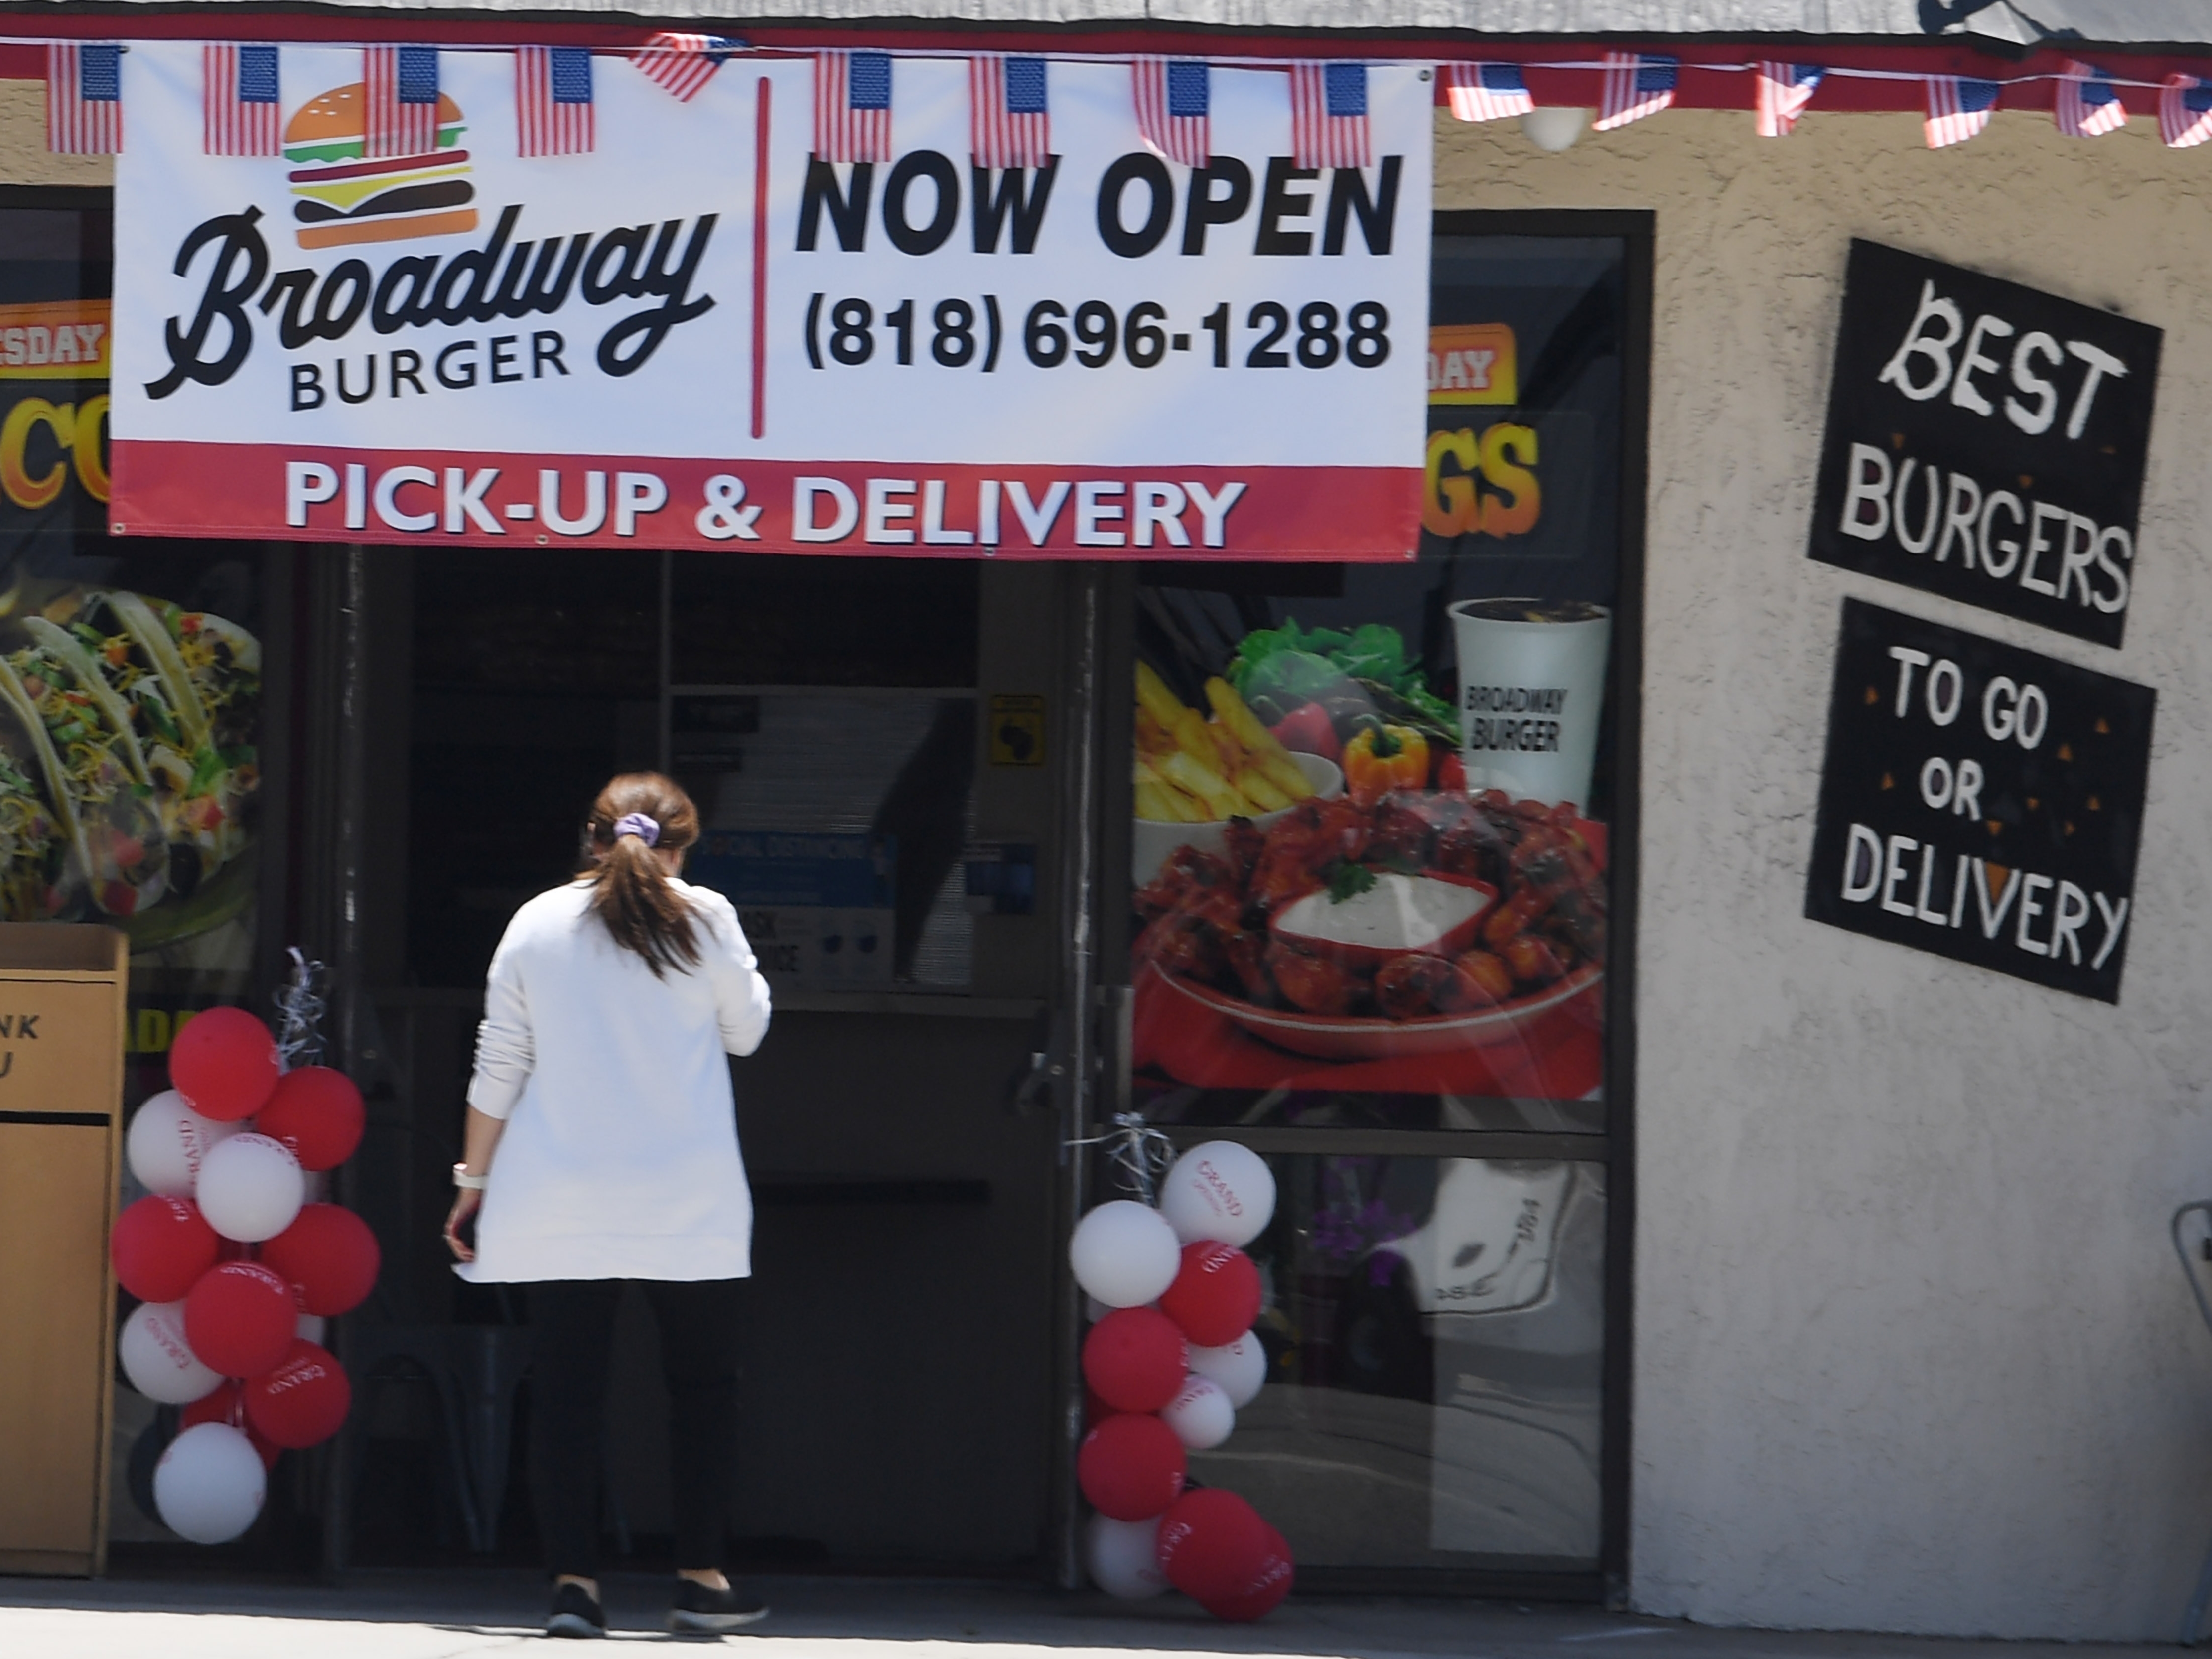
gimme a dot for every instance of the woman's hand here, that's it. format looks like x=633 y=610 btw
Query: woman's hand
x=465 y=1202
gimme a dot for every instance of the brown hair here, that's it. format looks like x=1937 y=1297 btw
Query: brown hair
x=631 y=891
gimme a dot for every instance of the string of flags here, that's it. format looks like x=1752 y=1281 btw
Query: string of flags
x=1010 y=100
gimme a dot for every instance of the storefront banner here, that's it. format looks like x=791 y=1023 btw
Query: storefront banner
x=699 y=336
x=1986 y=441
x=1981 y=802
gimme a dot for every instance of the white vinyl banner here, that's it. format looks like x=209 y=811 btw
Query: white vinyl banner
x=700 y=334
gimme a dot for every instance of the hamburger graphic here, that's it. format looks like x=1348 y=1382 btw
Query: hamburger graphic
x=345 y=196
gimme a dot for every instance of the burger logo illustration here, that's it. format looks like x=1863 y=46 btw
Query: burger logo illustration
x=345 y=197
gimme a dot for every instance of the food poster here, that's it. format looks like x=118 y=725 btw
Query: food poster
x=130 y=679
x=1369 y=852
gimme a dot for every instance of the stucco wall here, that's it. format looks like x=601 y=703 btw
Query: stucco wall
x=23 y=156
x=1912 y=1351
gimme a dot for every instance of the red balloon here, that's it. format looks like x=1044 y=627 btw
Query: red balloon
x=1135 y=1359
x=240 y=1318
x=317 y=1112
x=1131 y=1467
x=329 y=1254
x=224 y=1063
x=227 y=1405
x=1213 y=1544
x=304 y=1401
x=1266 y=1590
x=1216 y=1296
x=160 y=1247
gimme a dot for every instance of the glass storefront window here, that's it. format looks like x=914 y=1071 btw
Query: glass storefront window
x=1372 y=881
x=1435 y=1336
x=132 y=766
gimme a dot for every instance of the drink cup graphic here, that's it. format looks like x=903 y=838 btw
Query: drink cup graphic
x=1531 y=688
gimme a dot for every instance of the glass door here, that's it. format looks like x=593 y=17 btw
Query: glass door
x=1380 y=837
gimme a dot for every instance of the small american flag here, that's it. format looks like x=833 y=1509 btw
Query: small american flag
x=853 y=106
x=84 y=99
x=680 y=64
x=1957 y=108
x=1328 y=116
x=553 y=109
x=400 y=88
x=1784 y=90
x=2184 y=112
x=1008 y=122
x=238 y=100
x=1487 y=92
x=1635 y=87
x=1174 y=108
x=2087 y=103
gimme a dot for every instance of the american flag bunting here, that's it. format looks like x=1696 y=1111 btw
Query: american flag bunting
x=680 y=64
x=2184 y=112
x=239 y=105
x=1328 y=116
x=1174 y=108
x=554 y=114
x=1635 y=86
x=84 y=99
x=1009 y=123
x=853 y=106
x=2087 y=103
x=1487 y=92
x=1784 y=91
x=1959 y=107
x=399 y=86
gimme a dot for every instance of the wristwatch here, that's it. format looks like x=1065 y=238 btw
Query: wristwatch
x=474 y=1184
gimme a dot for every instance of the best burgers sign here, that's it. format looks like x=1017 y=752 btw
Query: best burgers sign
x=702 y=333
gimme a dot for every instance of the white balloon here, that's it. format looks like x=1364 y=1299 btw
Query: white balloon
x=1240 y=1367
x=157 y=1359
x=1221 y=1191
x=251 y=1187
x=1200 y=1415
x=166 y=1142
x=1124 y=1253
x=312 y=1328
x=208 y=1484
x=1123 y=1557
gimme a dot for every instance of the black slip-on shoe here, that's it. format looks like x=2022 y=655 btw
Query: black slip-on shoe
x=710 y=1612
x=575 y=1613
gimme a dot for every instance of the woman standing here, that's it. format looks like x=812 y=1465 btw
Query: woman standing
x=602 y=1145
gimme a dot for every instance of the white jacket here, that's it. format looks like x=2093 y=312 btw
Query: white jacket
x=620 y=1157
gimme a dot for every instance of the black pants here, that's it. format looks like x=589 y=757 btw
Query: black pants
x=572 y=1323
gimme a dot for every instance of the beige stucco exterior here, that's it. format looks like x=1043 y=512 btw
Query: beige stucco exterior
x=24 y=158
x=1912 y=1351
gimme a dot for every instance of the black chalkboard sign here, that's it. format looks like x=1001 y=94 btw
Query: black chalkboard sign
x=1981 y=802
x=1985 y=441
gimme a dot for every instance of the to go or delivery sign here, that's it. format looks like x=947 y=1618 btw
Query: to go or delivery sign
x=700 y=335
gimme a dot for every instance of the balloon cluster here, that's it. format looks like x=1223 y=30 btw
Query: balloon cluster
x=1169 y=1366
x=235 y=1268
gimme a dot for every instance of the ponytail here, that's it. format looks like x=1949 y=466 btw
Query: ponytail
x=637 y=816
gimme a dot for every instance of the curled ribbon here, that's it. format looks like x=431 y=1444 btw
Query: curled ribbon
x=1141 y=1153
x=299 y=1007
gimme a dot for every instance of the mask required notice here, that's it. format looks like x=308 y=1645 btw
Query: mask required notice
x=1986 y=441
x=1981 y=802
x=703 y=334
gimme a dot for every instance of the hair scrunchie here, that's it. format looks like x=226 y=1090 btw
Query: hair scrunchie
x=646 y=829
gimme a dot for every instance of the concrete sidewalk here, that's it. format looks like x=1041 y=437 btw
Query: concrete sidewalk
x=436 y=1616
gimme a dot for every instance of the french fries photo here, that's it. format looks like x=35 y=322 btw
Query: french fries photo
x=1191 y=768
